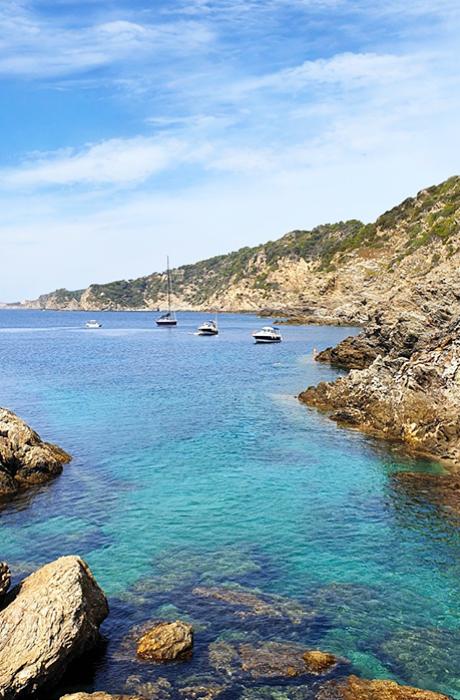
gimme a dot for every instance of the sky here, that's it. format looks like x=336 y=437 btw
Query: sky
x=134 y=129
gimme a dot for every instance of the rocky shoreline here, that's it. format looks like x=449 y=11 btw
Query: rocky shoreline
x=25 y=459
x=404 y=379
x=52 y=618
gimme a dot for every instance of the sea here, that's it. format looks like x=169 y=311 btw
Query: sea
x=195 y=466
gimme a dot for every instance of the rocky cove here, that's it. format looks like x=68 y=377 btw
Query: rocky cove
x=51 y=618
x=239 y=628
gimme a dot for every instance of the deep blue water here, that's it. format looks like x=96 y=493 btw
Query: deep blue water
x=194 y=463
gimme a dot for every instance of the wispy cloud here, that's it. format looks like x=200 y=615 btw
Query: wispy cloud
x=32 y=46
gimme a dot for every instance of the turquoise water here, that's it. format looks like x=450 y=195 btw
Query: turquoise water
x=194 y=463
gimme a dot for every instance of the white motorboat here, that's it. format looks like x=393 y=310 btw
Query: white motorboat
x=267 y=334
x=93 y=324
x=167 y=319
x=208 y=328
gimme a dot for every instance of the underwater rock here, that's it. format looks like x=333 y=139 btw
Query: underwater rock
x=423 y=653
x=277 y=692
x=441 y=490
x=160 y=689
x=166 y=641
x=268 y=660
x=354 y=688
x=201 y=692
x=319 y=661
x=24 y=458
x=252 y=603
x=5 y=577
x=100 y=696
x=53 y=617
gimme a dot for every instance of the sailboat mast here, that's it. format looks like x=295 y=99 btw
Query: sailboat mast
x=169 y=284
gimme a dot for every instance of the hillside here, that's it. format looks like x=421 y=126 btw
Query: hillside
x=334 y=273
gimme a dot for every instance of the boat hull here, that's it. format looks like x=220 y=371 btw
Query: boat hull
x=166 y=323
x=266 y=340
x=207 y=332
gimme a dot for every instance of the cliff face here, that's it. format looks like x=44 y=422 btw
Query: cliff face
x=337 y=272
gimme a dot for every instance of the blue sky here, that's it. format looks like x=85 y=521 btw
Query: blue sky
x=130 y=130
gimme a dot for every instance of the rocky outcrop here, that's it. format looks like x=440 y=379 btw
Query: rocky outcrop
x=268 y=660
x=24 y=458
x=5 y=578
x=53 y=617
x=354 y=688
x=411 y=391
x=166 y=641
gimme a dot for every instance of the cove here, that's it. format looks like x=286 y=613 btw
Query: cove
x=195 y=465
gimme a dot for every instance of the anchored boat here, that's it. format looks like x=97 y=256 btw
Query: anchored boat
x=169 y=318
x=93 y=324
x=208 y=328
x=267 y=334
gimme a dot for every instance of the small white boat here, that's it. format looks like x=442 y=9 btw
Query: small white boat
x=93 y=324
x=208 y=328
x=267 y=334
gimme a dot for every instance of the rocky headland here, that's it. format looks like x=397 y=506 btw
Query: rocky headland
x=25 y=459
x=335 y=273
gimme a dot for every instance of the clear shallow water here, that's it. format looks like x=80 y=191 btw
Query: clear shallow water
x=195 y=464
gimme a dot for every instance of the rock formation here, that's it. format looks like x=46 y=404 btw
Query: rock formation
x=354 y=688
x=408 y=384
x=53 y=617
x=5 y=578
x=24 y=458
x=167 y=641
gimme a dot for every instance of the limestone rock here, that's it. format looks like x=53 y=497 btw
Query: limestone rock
x=53 y=617
x=354 y=688
x=5 y=577
x=166 y=641
x=24 y=458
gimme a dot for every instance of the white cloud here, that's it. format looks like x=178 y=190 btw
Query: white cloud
x=32 y=47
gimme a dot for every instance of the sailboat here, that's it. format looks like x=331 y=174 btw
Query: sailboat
x=169 y=318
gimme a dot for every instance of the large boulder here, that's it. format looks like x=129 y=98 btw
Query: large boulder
x=354 y=688
x=24 y=458
x=5 y=577
x=53 y=617
x=166 y=641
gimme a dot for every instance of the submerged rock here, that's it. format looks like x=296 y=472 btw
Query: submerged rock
x=5 y=577
x=354 y=688
x=100 y=696
x=167 y=641
x=248 y=603
x=24 y=458
x=160 y=689
x=201 y=692
x=268 y=660
x=53 y=617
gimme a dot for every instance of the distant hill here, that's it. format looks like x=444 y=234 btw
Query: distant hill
x=334 y=273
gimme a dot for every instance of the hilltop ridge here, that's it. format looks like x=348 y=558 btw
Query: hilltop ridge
x=337 y=272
